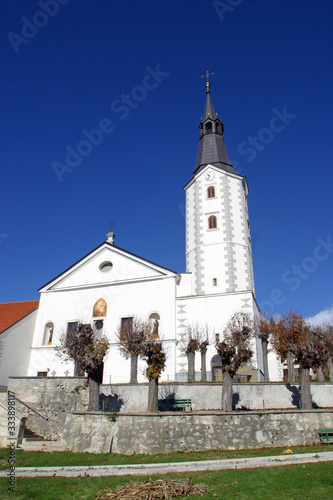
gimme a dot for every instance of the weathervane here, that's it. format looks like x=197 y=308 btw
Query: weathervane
x=207 y=75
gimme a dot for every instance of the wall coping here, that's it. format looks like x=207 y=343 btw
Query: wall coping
x=203 y=412
x=190 y=384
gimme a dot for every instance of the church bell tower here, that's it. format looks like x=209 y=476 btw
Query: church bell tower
x=218 y=241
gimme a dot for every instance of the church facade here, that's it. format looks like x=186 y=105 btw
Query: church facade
x=110 y=285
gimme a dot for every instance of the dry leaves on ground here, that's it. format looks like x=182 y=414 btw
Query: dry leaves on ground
x=151 y=490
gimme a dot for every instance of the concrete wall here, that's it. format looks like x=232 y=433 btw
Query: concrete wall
x=128 y=398
x=211 y=430
x=45 y=392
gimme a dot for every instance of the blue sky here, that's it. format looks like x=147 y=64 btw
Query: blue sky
x=67 y=65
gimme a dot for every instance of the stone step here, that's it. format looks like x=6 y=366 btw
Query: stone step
x=42 y=445
x=30 y=435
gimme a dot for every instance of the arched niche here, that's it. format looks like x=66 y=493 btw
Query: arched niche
x=154 y=320
x=48 y=333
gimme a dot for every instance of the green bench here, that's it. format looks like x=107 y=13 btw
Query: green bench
x=326 y=435
x=182 y=403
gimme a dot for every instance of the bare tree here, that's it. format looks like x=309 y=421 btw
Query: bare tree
x=264 y=329
x=234 y=351
x=132 y=336
x=88 y=353
x=196 y=338
x=189 y=344
x=310 y=351
x=155 y=357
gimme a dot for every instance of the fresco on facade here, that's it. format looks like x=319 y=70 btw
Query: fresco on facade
x=100 y=308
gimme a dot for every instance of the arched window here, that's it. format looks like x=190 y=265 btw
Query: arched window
x=209 y=127
x=211 y=192
x=212 y=222
x=154 y=320
x=100 y=308
x=48 y=333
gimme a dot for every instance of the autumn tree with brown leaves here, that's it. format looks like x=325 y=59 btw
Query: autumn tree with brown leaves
x=88 y=352
x=327 y=331
x=234 y=351
x=310 y=351
x=325 y=369
x=286 y=334
x=153 y=353
x=132 y=336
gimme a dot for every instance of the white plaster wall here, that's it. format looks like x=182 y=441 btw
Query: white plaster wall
x=213 y=243
x=215 y=311
x=126 y=299
x=17 y=341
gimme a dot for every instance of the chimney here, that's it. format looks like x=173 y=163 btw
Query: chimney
x=110 y=237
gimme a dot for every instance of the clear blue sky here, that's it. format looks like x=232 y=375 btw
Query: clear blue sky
x=83 y=58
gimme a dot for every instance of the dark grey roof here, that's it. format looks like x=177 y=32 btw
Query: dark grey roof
x=209 y=109
x=212 y=148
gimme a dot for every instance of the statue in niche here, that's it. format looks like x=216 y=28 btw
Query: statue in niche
x=155 y=329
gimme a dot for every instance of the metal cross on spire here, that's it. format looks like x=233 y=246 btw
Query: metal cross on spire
x=207 y=75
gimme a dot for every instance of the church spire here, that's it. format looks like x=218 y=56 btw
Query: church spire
x=212 y=150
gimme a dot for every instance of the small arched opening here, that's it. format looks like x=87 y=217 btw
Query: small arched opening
x=48 y=333
x=209 y=127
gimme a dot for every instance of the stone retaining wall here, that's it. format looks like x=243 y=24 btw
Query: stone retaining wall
x=166 y=433
x=52 y=397
x=64 y=402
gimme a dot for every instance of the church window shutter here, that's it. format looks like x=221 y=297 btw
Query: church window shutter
x=212 y=222
x=72 y=329
x=211 y=192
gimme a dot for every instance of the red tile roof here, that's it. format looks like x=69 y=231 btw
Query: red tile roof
x=12 y=312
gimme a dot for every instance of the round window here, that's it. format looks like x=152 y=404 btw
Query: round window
x=106 y=266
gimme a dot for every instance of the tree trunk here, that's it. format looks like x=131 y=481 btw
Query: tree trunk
x=93 y=392
x=320 y=375
x=77 y=370
x=191 y=366
x=226 y=391
x=134 y=368
x=290 y=367
x=203 y=366
x=153 y=395
x=306 y=400
x=264 y=344
x=330 y=368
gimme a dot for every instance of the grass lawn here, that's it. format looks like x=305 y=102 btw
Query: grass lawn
x=293 y=482
x=45 y=459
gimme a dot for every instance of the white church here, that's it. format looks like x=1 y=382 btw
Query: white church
x=110 y=284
